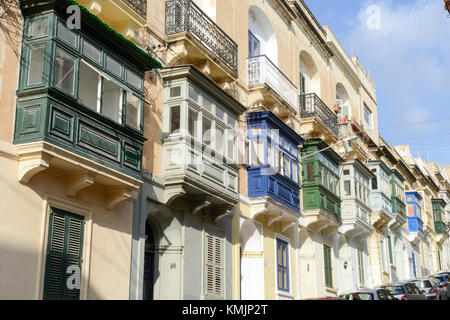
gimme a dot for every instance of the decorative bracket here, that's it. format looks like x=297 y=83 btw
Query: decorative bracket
x=116 y=196
x=75 y=183
x=30 y=165
x=222 y=211
x=272 y=219
x=287 y=226
x=200 y=204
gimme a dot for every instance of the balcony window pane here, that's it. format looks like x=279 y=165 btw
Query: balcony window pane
x=257 y=153
x=111 y=100
x=270 y=155
x=374 y=183
x=220 y=139
x=36 y=66
x=232 y=121
x=92 y=52
x=287 y=166
x=134 y=79
x=280 y=162
x=310 y=172
x=220 y=113
x=194 y=95
x=66 y=35
x=231 y=144
x=295 y=172
x=88 y=86
x=38 y=28
x=65 y=71
x=133 y=111
x=174 y=119
x=192 y=123
x=114 y=66
x=347 y=188
x=207 y=131
x=207 y=103
x=175 y=92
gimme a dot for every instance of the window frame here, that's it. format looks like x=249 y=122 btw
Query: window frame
x=285 y=244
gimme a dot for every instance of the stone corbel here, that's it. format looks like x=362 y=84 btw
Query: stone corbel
x=32 y=164
x=272 y=219
x=225 y=85
x=205 y=67
x=330 y=230
x=171 y=194
x=95 y=6
x=75 y=183
x=200 y=204
x=114 y=197
x=286 y=226
x=179 y=51
x=221 y=211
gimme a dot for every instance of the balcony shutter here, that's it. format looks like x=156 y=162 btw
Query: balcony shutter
x=327 y=266
x=214 y=252
x=64 y=250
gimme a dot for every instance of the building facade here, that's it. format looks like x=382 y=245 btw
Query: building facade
x=188 y=154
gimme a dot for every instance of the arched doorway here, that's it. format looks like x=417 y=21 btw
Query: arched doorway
x=149 y=262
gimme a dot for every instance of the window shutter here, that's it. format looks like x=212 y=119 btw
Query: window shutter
x=214 y=265
x=64 y=250
x=327 y=266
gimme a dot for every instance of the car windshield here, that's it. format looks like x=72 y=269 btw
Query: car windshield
x=440 y=278
x=424 y=284
x=395 y=290
x=360 y=296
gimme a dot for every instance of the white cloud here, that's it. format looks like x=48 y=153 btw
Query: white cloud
x=411 y=55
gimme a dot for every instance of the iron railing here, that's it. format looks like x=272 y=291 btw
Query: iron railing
x=263 y=71
x=312 y=106
x=140 y=6
x=185 y=15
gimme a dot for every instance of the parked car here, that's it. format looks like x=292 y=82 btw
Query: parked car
x=430 y=289
x=327 y=298
x=369 y=294
x=444 y=281
x=405 y=291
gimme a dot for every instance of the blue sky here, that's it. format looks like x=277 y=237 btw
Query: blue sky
x=408 y=57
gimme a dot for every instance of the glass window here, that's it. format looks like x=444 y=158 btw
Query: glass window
x=207 y=131
x=283 y=265
x=270 y=154
x=220 y=113
x=65 y=71
x=395 y=290
x=111 y=100
x=207 y=102
x=92 y=52
x=114 y=66
x=36 y=66
x=194 y=94
x=374 y=183
x=310 y=172
x=88 y=86
x=134 y=79
x=66 y=35
x=232 y=121
x=231 y=138
x=175 y=92
x=38 y=28
x=220 y=139
x=287 y=166
x=174 y=119
x=257 y=153
x=295 y=171
x=367 y=115
x=192 y=123
x=133 y=111
x=347 y=188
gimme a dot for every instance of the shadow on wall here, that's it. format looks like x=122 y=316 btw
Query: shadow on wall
x=11 y=25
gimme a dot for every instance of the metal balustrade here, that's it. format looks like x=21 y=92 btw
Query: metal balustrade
x=263 y=71
x=186 y=16
x=140 y=6
x=312 y=106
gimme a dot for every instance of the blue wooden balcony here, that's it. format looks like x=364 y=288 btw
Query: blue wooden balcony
x=273 y=169
x=415 y=223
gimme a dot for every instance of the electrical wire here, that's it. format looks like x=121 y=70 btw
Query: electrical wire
x=415 y=123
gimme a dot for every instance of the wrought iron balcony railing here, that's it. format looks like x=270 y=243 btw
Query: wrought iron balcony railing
x=312 y=106
x=263 y=71
x=140 y=6
x=185 y=15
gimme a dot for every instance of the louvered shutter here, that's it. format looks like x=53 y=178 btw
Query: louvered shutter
x=327 y=266
x=64 y=249
x=214 y=268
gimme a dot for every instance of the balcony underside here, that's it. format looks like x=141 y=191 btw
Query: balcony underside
x=79 y=172
x=440 y=238
x=263 y=94
x=119 y=15
x=356 y=229
x=320 y=221
x=397 y=222
x=187 y=50
x=274 y=212
x=381 y=219
x=415 y=237
x=313 y=128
